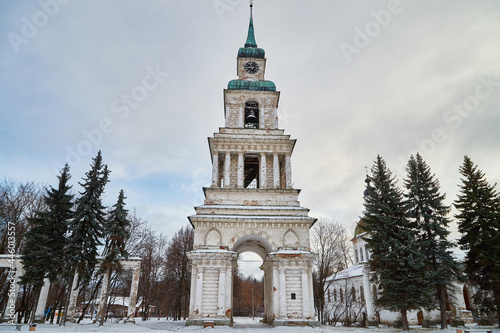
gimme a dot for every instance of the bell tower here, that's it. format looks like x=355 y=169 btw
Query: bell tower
x=251 y=206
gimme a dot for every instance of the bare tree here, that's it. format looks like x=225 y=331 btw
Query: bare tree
x=178 y=271
x=345 y=305
x=18 y=202
x=151 y=252
x=330 y=241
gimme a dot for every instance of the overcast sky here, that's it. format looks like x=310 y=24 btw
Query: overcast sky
x=143 y=82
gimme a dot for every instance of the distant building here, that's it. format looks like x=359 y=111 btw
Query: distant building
x=351 y=295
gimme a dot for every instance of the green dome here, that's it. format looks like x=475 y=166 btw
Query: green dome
x=251 y=85
x=360 y=228
x=251 y=52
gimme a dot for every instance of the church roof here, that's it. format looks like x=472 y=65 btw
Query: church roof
x=251 y=50
x=349 y=272
x=251 y=85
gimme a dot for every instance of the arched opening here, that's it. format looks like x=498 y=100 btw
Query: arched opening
x=251 y=292
x=252 y=115
x=251 y=171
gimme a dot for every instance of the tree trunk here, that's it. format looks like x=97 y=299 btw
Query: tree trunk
x=87 y=305
x=442 y=305
x=66 y=303
x=404 y=320
x=104 y=309
x=496 y=294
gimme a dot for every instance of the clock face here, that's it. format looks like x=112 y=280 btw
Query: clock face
x=251 y=67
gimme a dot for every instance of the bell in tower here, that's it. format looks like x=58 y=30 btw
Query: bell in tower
x=251 y=114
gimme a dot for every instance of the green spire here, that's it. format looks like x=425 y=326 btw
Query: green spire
x=251 y=37
x=251 y=50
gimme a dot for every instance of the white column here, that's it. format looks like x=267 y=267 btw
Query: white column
x=133 y=292
x=261 y=118
x=215 y=170
x=13 y=278
x=199 y=292
x=282 y=291
x=192 y=291
x=72 y=298
x=311 y=292
x=229 y=289
x=242 y=118
x=288 y=171
x=368 y=295
x=42 y=300
x=276 y=171
x=103 y=297
x=263 y=171
x=227 y=170
x=305 y=294
x=241 y=169
x=276 y=292
x=222 y=292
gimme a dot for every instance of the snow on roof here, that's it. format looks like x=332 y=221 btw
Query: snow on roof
x=211 y=251
x=290 y=252
x=349 y=272
x=253 y=207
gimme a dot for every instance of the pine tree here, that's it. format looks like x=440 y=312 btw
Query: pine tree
x=427 y=213
x=87 y=226
x=46 y=240
x=478 y=217
x=116 y=230
x=395 y=255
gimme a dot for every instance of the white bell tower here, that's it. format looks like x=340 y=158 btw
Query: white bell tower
x=251 y=206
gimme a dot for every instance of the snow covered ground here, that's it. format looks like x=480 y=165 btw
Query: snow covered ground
x=242 y=325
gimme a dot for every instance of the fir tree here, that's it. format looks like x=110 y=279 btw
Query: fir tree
x=395 y=255
x=43 y=254
x=478 y=217
x=116 y=230
x=87 y=226
x=427 y=213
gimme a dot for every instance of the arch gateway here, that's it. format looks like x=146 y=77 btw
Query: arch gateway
x=251 y=206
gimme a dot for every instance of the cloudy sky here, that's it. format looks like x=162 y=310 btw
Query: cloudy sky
x=143 y=82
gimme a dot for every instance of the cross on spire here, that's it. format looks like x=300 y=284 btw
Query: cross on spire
x=251 y=37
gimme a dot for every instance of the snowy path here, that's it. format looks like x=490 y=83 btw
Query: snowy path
x=241 y=325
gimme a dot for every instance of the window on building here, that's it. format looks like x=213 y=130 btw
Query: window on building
x=294 y=296
x=361 y=253
x=362 y=293
x=329 y=296
x=367 y=252
x=335 y=295
x=356 y=256
x=341 y=295
x=251 y=114
x=353 y=294
x=375 y=293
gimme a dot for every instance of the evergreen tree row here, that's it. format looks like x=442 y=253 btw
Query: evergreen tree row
x=408 y=238
x=66 y=236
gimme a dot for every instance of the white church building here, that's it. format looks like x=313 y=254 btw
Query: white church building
x=350 y=295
